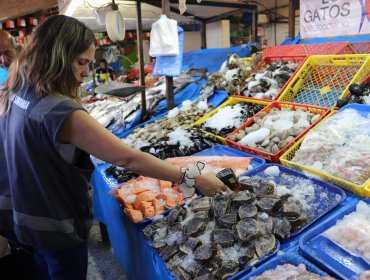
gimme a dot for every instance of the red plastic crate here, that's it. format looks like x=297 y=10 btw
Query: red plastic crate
x=269 y=60
x=267 y=155
x=361 y=48
x=288 y=50
x=329 y=48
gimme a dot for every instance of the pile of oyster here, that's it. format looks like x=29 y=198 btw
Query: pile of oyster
x=267 y=82
x=214 y=238
x=272 y=131
x=227 y=119
x=167 y=147
x=230 y=76
x=152 y=133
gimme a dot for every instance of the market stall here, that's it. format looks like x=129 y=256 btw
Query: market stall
x=163 y=261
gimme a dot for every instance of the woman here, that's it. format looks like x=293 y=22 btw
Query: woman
x=47 y=136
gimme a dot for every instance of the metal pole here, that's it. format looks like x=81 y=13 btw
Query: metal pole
x=254 y=25
x=169 y=80
x=291 y=19
x=139 y=29
x=203 y=34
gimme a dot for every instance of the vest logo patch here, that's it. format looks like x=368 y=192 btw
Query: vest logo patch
x=20 y=102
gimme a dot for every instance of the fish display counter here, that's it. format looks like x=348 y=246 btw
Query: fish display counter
x=130 y=247
x=279 y=219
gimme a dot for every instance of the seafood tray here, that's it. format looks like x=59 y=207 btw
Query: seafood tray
x=214 y=151
x=220 y=150
x=215 y=100
x=269 y=60
x=329 y=48
x=361 y=48
x=325 y=203
x=286 y=159
x=157 y=259
x=287 y=258
x=323 y=79
x=326 y=254
x=230 y=101
x=274 y=157
x=206 y=237
x=287 y=50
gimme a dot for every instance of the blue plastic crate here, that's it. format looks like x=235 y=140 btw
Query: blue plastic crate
x=328 y=255
x=336 y=195
x=290 y=258
x=220 y=150
x=166 y=274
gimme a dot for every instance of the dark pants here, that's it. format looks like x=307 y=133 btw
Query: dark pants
x=62 y=265
x=57 y=264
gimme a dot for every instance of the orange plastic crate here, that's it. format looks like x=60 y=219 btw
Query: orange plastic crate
x=267 y=155
x=269 y=60
x=288 y=50
x=329 y=48
x=361 y=48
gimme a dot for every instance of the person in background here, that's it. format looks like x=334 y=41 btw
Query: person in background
x=104 y=73
x=8 y=51
x=48 y=137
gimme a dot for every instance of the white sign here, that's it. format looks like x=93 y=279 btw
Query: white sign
x=326 y=18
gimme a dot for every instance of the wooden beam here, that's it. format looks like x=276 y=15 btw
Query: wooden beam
x=173 y=10
x=140 y=57
x=225 y=15
x=209 y=3
x=291 y=17
x=10 y=9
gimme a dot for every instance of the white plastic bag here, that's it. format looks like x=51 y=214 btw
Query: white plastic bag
x=164 y=40
x=170 y=65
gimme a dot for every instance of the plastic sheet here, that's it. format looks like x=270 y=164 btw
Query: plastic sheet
x=164 y=39
x=340 y=146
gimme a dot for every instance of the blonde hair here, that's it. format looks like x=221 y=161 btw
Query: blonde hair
x=45 y=65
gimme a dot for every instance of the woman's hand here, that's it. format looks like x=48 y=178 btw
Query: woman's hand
x=208 y=184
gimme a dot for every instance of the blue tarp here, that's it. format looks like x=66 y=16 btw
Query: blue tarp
x=211 y=59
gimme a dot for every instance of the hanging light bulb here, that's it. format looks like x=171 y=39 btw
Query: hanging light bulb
x=199 y=1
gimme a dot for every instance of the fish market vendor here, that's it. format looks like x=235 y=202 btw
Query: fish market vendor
x=104 y=73
x=47 y=137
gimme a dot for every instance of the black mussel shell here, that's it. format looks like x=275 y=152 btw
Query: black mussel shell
x=356 y=89
x=342 y=102
x=354 y=99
